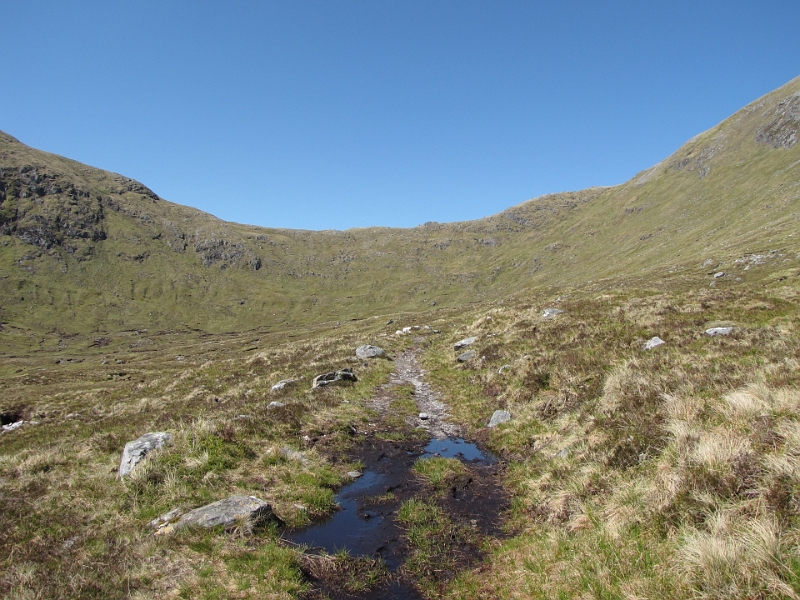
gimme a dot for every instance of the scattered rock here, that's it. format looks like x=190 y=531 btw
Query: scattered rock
x=354 y=474
x=229 y=512
x=13 y=426
x=464 y=343
x=367 y=351
x=549 y=313
x=654 y=342
x=503 y=369
x=282 y=384
x=136 y=450
x=294 y=455
x=564 y=453
x=466 y=356
x=714 y=331
x=499 y=416
x=333 y=377
x=719 y=274
x=242 y=417
x=406 y=330
x=275 y=404
x=423 y=416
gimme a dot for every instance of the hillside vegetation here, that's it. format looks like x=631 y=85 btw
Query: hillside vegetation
x=110 y=255
x=670 y=472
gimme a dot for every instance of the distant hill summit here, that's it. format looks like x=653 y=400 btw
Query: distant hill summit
x=83 y=249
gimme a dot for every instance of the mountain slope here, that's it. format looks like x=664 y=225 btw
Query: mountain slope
x=82 y=249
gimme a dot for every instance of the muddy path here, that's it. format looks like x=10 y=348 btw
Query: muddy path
x=367 y=524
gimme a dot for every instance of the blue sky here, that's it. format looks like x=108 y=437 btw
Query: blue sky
x=330 y=115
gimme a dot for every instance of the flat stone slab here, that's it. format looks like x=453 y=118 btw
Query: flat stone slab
x=654 y=342
x=499 y=416
x=466 y=356
x=333 y=377
x=226 y=513
x=549 y=313
x=464 y=343
x=714 y=331
x=368 y=351
x=136 y=450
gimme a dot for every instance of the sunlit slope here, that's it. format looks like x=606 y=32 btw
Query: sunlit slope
x=82 y=249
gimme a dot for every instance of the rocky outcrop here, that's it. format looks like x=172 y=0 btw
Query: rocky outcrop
x=784 y=130
x=334 y=377
x=136 y=450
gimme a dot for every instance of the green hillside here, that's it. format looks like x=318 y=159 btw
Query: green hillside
x=86 y=250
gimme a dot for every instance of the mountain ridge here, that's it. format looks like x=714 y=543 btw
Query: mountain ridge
x=110 y=253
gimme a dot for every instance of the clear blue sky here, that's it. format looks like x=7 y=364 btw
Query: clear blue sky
x=338 y=114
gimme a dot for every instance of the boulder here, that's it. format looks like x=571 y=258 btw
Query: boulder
x=136 y=450
x=466 y=356
x=229 y=512
x=654 y=342
x=499 y=416
x=549 y=313
x=423 y=416
x=367 y=351
x=719 y=274
x=464 y=343
x=714 y=331
x=333 y=377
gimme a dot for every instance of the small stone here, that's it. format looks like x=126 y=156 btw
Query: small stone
x=136 y=450
x=13 y=426
x=423 y=416
x=562 y=453
x=499 y=416
x=549 y=313
x=466 y=356
x=654 y=342
x=165 y=519
x=354 y=474
x=719 y=274
x=275 y=404
x=282 y=384
x=367 y=351
x=714 y=331
x=503 y=369
x=464 y=343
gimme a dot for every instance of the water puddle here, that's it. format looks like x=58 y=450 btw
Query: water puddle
x=460 y=449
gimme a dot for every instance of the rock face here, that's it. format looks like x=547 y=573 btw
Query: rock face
x=227 y=513
x=654 y=343
x=499 y=416
x=466 y=356
x=367 y=351
x=334 y=377
x=136 y=450
x=464 y=343
x=715 y=331
x=549 y=313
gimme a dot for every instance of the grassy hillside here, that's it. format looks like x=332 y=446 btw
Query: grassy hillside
x=108 y=254
x=629 y=473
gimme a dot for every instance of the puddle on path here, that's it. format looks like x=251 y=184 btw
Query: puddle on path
x=365 y=525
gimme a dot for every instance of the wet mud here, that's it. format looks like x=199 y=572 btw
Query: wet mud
x=366 y=524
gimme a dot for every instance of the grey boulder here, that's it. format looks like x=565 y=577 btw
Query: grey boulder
x=464 y=343
x=499 y=416
x=367 y=351
x=236 y=510
x=282 y=384
x=333 y=377
x=549 y=313
x=136 y=450
x=715 y=331
x=654 y=342
x=466 y=356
